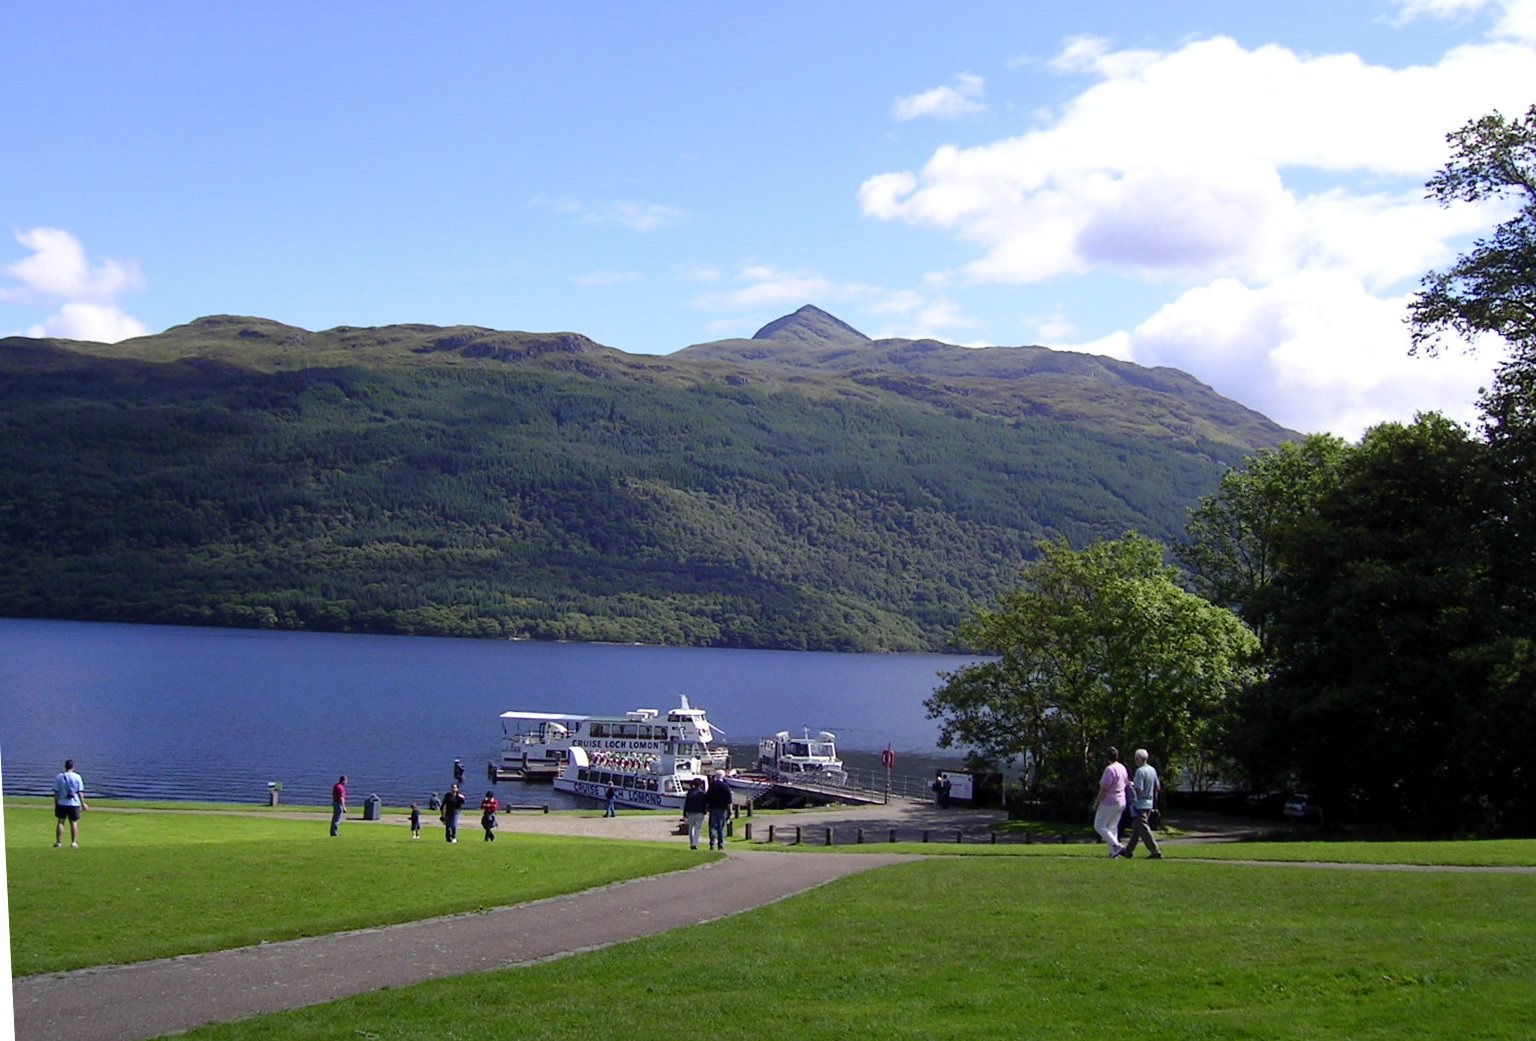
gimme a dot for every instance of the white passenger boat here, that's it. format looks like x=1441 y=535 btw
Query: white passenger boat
x=800 y=760
x=638 y=780
x=537 y=745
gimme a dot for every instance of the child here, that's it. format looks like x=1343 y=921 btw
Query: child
x=488 y=808
x=415 y=822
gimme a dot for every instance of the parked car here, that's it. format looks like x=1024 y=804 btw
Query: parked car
x=1299 y=807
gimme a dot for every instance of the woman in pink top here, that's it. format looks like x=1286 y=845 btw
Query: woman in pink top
x=1110 y=804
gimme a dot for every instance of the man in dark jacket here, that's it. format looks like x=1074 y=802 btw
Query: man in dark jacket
x=719 y=799
x=453 y=802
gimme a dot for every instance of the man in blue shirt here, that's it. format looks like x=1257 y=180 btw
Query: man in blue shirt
x=68 y=801
x=1144 y=791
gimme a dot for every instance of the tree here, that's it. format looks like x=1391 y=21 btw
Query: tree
x=1096 y=646
x=1385 y=635
x=1491 y=288
x=1231 y=552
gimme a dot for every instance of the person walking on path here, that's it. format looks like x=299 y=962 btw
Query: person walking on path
x=718 y=799
x=1109 y=804
x=338 y=803
x=68 y=802
x=695 y=806
x=488 y=808
x=1145 y=788
x=453 y=802
x=415 y=821
x=612 y=795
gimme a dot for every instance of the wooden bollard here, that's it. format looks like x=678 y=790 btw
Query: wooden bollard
x=959 y=837
x=893 y=834
x=829 y=836
x=770 y=834
x=749 y=831
x=797 y=834
x=925 y=834
x=859 y=837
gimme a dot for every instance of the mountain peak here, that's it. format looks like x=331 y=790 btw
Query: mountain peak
x=811 y=326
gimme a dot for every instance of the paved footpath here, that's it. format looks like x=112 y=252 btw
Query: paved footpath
x=132 y=1002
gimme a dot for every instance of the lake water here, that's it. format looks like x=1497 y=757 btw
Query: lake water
x=186 y=713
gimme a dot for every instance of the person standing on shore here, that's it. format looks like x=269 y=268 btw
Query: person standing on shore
x=1145 y=788
x=338 y=803
x=453 y=802
x=415 y=821
x=718 y=798
x=695 y=806
x=1109 y=804
x=68 y=802
x=488 y=808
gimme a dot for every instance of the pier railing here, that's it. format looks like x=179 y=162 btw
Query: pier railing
x=907 y=789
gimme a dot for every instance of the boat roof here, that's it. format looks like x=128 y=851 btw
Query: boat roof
x=683 y=709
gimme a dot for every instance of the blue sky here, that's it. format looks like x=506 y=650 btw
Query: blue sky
x=1233 y=189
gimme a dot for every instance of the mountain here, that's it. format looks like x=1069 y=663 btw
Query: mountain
x=805 y=488
x=1006 y=382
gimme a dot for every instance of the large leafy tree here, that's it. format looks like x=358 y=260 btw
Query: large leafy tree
x=1096 y=646
x=1385 y=633
x=1492 y=287
x=1232 y=549
x=1491 y=290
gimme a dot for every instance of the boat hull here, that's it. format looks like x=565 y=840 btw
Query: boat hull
x=626 y=797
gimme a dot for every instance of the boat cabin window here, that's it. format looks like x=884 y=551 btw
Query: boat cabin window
x=599 y=729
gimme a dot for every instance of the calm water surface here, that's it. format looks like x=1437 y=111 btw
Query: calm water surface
x=183 y=713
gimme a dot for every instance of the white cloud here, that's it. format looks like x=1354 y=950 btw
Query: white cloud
x=1513 y=19
x=608 y=278
x=97 y=323
x=760 y=285
x=1277 y=195
x=962 y=99
x=58 y=268
x=59 y=274
x=921 y=317
x=1313 y=351
x=620 y=213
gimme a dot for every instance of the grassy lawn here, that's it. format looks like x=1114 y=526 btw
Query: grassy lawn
x=1009 y=942
x=1021 y=947
x=150 y=885
x=1491 y=853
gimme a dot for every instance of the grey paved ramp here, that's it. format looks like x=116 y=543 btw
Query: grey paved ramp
x=132 y=1002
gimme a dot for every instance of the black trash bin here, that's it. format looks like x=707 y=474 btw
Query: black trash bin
x=371 y=808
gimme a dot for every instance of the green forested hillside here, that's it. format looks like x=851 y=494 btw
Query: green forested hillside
x=464 y=481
